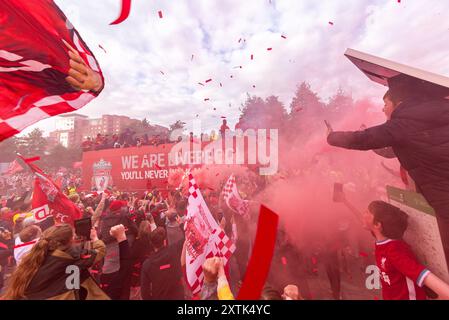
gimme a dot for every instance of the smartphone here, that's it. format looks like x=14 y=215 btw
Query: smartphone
x=83 y=227
x=338 y=195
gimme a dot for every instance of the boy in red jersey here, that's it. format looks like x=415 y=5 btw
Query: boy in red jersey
x=402 y=276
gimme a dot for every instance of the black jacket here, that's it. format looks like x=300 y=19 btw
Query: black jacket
x=50 y=280
x=418 y=132
x=161 y=274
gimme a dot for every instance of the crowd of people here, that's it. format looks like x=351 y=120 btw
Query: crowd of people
x=136 y=247
x=135 y=250
x=128 y=138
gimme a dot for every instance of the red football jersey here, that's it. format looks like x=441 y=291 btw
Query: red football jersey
x=401 y=274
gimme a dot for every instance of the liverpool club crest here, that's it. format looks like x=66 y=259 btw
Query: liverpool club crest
x=102 y=178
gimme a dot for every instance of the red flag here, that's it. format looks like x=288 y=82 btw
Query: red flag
x=39 y=203
x=65 y=211
x=34 y=63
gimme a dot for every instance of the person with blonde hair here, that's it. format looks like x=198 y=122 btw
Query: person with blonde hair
x=47 y=270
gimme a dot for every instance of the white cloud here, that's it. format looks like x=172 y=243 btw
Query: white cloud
x=410 y=32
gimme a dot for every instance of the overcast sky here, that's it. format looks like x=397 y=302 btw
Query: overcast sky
x=139 y=50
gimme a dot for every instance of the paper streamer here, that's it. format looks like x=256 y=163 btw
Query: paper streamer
x=260 y=261
x=124 y=14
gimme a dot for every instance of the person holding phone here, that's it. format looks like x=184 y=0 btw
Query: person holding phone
x=42 y=274
x=417 y=130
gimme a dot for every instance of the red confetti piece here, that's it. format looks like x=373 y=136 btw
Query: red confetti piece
x=94 y=271
x=269 y=49
x=200 y=84
x=215 y=109
x=160 y=14
x=284 y=37
x=240 y=40
x=363 y=254
x=254 y=86
x=191 y=58
x=331 y=23
x=165 y=266
x=221 y=85
x=124 y=13
x=260 y=261
x=284 y=261
x=208 y=80
x=206 y=99
x=252 y=57
x=223 y=117
x=162 y=72
x=232 y=77
x=102 y=48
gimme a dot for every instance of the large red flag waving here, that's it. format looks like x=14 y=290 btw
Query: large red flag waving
x=34 y=63
x=46 y=193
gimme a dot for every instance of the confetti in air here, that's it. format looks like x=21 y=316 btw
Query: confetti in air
x=102 y=48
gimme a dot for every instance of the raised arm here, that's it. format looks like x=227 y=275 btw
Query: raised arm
x=377 y=137
x=99 y=209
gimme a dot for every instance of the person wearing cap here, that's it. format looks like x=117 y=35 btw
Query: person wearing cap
x=417 y=129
